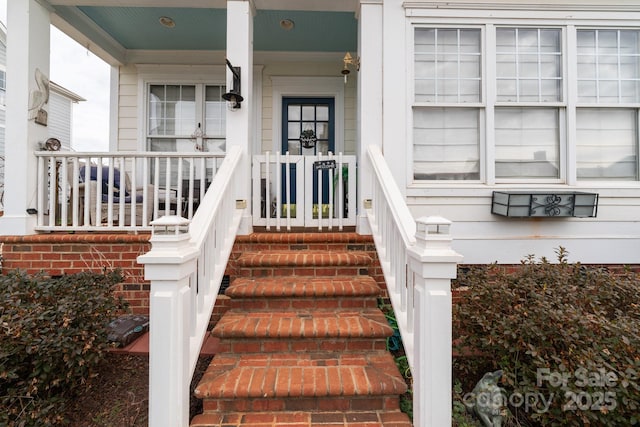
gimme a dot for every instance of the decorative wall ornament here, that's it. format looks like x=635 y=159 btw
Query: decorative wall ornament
x=39 y=97
x=308 y=138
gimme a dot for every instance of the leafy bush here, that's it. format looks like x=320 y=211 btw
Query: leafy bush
x=52 y=336
x=566 y=337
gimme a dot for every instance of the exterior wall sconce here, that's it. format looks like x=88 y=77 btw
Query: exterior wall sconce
x=349 y=60
x=545 y=204
x=233 y=97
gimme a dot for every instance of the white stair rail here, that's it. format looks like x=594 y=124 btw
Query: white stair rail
x=418 y=264
x=185 y=266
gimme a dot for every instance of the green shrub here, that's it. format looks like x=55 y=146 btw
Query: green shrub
x=52 y=336
x=561 y=332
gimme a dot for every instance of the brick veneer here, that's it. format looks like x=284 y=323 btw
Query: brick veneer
x=58 y=254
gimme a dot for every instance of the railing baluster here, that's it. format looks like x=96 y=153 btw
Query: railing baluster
x=288 y=190
x=267 y=194
x=133 y=191
x=278 y=173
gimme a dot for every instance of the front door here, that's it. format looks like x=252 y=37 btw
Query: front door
x=308 y=126
x=308 y=129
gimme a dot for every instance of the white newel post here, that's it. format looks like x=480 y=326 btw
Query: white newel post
x=169 y=266
x=433 y=263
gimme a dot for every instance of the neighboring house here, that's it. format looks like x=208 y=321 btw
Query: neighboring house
x=465 y=98
x=60 y=119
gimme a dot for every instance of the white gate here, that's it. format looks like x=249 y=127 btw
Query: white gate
x=304 y=191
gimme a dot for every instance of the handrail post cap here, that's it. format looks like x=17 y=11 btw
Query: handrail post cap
x=170 y=228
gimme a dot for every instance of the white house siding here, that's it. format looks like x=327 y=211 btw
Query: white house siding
x=128 y=109
x=59 y=119
x=613 y=237
x=307 y=69
x=129 y=136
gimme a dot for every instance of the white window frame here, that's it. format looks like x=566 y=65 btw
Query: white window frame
x=586 y=105
x=480 y=106
x=489 y=102
x=489 y=15
x=167 y=75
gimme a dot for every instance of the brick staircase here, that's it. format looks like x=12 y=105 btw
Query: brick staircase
x=303 y=343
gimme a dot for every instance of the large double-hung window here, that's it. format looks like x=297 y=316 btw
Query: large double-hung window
x=448 y=104
x=608 y=100
x=502 y=104
x=527 y=115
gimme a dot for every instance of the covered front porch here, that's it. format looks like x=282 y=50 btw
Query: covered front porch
x=188 y=84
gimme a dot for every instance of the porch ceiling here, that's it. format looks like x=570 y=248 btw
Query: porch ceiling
x=204 y=28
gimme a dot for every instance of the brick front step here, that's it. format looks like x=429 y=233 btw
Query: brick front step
x=282 y=263
x=304 y=258
x=303 y=324
x=304 y=419
x=301 y=376
x=299 y=287
x=303 y=293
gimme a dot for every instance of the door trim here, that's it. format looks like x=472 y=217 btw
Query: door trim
x=307 y=87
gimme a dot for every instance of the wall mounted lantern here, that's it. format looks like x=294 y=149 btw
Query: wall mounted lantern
x=233 y=97
x=549 y=204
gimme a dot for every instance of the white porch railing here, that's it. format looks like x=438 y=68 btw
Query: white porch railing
x=304 y=191
x=418 y=265
x=119 y=191
x=185 y=266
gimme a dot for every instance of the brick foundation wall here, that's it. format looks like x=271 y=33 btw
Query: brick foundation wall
x=58 y=254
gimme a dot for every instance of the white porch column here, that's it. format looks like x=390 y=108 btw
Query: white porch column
x=28 y=27
x=239 y=124
x=396 y=147
x=433 y=263
x=370 y=37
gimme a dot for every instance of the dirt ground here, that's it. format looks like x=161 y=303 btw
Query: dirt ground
x=118 y=396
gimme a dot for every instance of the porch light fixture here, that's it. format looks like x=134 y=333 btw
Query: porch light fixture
x=551 y=204
x=233 y=97
x=349 y=60
x=165 y=21
x=287 y=24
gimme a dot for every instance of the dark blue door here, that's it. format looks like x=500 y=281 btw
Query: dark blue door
x=308 y=128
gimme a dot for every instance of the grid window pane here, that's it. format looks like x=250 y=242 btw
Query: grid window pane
x=447 y=65
x=171 y=110
x=527 y=143
x=446 y=144
x=607 y=147
x=215 y=111
x=529 y=61
x=610 y=59
x=174 y=118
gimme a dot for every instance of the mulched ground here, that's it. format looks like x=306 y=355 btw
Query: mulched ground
x=118 y=396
